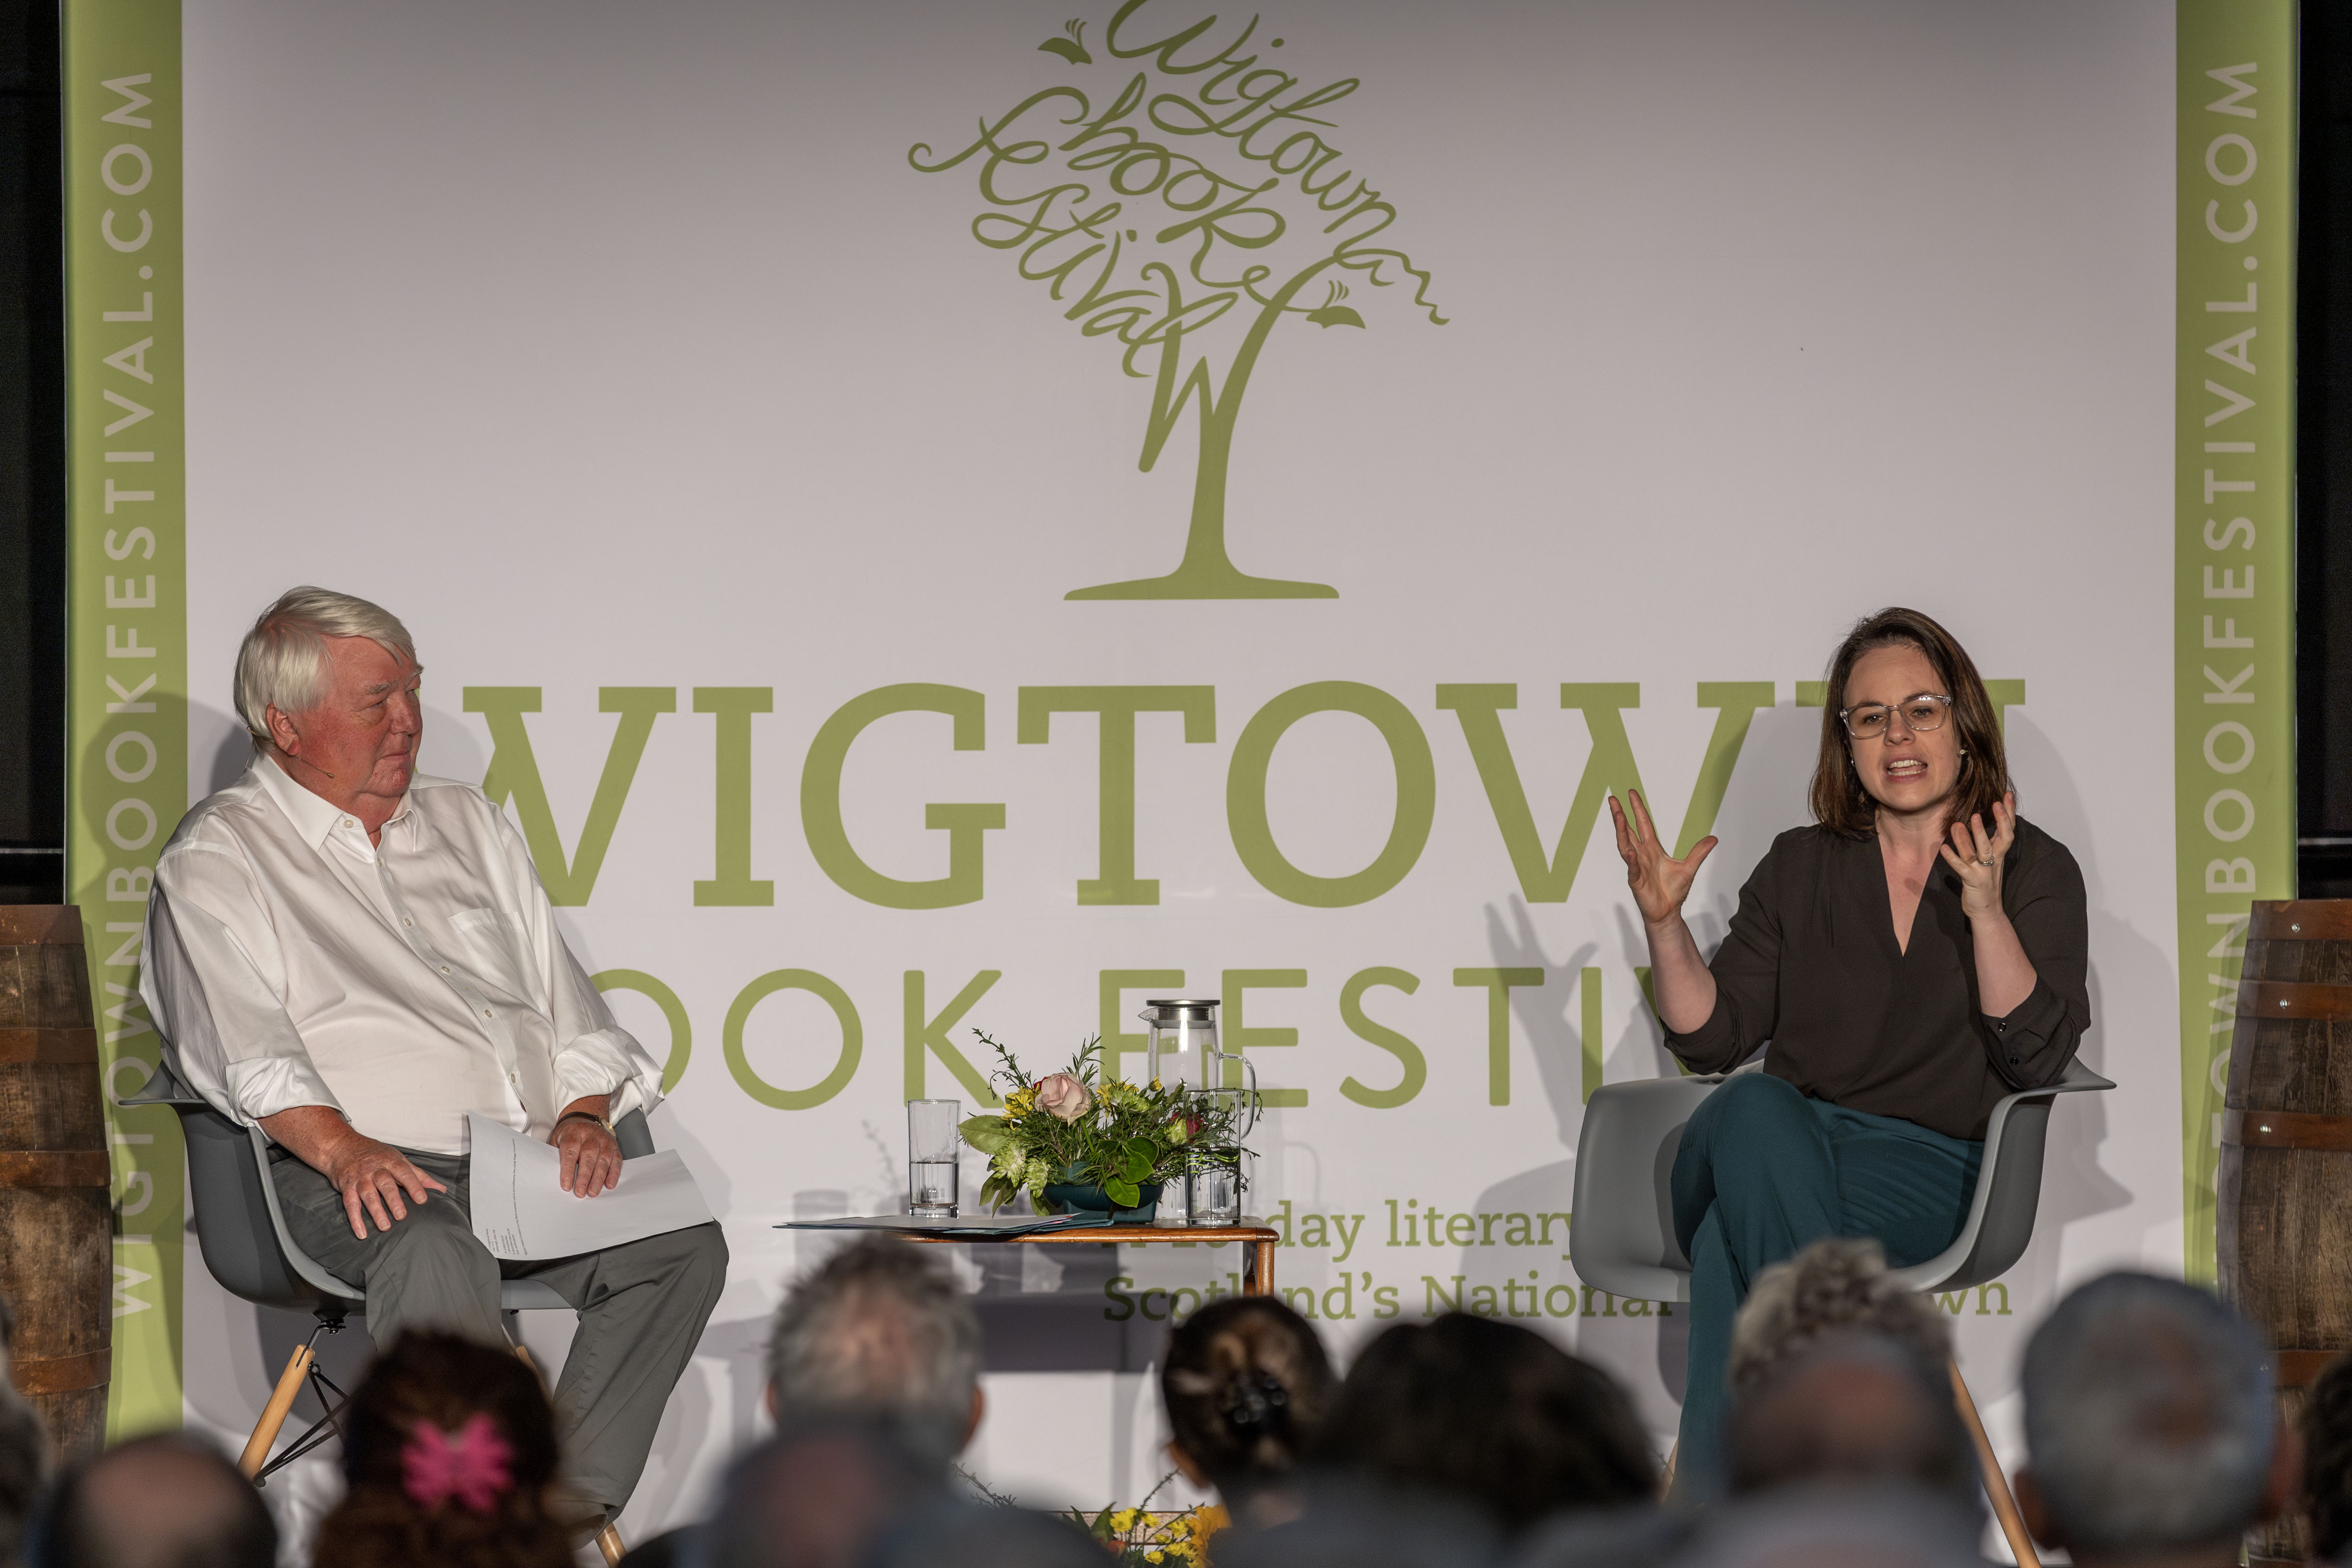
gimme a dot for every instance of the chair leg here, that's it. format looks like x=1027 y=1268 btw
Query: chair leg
x=273 y=1414
x=608 y=1541
x=1996 y=1485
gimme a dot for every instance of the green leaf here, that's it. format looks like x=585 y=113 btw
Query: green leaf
x=1126 y=1195
x=1144 y=1148
x=1135 y=1167
x=989 y=1134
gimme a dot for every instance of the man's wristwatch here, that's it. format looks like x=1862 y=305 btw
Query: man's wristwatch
x=584 y=1116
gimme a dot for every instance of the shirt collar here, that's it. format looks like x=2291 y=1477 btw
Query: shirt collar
x=314 y=816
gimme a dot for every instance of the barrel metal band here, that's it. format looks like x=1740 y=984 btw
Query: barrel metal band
x=2287 y=1130
x=40 y=925
x=55 y=1168
x=2290 y=999
x=2302 y=920
x=64 y=1046
x=62 y=1373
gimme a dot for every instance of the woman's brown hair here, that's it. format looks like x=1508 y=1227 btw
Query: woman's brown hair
x=1246 y=1384
x=502 y=1521
x=1840 y=803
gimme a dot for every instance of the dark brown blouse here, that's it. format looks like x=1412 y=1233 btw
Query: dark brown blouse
x=1811 y=964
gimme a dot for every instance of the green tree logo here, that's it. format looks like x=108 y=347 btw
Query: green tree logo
x=1204 y=203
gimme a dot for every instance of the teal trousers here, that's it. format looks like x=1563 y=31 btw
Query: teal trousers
x=1764 y=1172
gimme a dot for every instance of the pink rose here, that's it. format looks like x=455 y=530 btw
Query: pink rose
x=1063 y=1096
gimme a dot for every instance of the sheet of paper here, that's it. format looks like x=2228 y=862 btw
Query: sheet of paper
x=522 y=1211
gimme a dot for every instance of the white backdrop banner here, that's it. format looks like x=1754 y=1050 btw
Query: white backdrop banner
x=935 y=517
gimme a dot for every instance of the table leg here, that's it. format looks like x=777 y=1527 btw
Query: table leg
x=1257 y=1269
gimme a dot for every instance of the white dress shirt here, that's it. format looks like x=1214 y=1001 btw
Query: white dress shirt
x=289 y=961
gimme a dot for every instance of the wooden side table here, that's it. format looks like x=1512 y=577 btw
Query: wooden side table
x=1257 y=1263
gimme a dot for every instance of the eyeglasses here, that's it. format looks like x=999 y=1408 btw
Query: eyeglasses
x=1921 y=713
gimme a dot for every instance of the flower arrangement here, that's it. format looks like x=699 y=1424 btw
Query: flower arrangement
x=1141 y=1538
x=1076 y=1126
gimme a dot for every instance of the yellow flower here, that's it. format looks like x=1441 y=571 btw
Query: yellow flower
x=1155 y=1555
x=1123 y=1520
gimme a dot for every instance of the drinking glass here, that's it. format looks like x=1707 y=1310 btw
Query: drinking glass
x=934 y=1157
x=1212 y=1186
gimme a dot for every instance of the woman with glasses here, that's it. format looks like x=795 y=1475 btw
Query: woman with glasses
x=1912 y=957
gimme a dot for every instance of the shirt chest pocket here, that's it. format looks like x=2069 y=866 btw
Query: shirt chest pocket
x=494 y=940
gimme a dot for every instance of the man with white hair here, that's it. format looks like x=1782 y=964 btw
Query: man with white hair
x=2150 y=1433
x=879 y=1335
x=355 y=956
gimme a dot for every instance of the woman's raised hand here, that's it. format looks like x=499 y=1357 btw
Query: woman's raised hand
x=1660 y=882
x=1977 y=859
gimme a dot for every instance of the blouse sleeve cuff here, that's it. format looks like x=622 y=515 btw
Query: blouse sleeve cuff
x=1714 y=1043
x=2021 y=1032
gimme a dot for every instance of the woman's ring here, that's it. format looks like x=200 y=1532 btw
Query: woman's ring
x=1982 y=861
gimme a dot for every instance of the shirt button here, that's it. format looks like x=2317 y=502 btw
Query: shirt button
x=349 y=822
x=488 y=1014
x=406 y=922
x=445 y=969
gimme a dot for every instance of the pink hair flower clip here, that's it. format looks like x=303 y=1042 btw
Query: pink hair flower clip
x=473 y=1465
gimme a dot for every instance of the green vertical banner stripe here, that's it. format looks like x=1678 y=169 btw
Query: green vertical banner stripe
x=2233 y=585
x=127 y=723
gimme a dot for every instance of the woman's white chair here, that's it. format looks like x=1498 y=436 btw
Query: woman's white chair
x=241 y=1230
x=1622 y=1238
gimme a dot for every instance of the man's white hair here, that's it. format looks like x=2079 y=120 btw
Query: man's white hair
x=2149 y=1417
x=880 y=1334
x=283 y=661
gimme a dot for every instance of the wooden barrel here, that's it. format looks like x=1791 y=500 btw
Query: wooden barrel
x=56 y=1244
x=2285 y=1210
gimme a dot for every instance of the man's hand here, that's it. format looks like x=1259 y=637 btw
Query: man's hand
x=591 y=1157
x=371 y=1175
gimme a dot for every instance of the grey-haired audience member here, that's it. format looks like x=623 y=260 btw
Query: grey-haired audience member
x=1836 y=1286
x=874 y=1383
x=879 y=1334
x=2149 y=1429
x=1890 y=1528
x=840 y=1494
x=164 y=1502
x=1849 y=1411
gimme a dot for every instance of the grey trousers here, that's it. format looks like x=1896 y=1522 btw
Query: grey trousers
x=642 y=1307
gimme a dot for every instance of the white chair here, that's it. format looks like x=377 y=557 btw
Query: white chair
x=1622 y=1238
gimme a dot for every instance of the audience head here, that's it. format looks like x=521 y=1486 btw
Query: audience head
x=165 y=1501
x=1849 y=1411
x=2149 y=1425
x=820 y=1494
x=1247 y=1386
x=1490 y=1413
x=449 y=1457
x=1892 y=1528
x=2328 y=1460
x=879 y=1334
x=1836 y=1286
